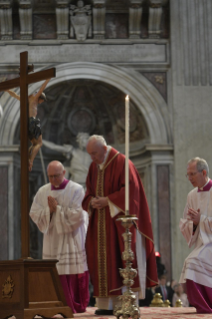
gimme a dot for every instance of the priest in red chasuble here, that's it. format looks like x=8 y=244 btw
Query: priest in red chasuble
x=105 y=202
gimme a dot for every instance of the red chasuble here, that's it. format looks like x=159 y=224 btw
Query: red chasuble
x=104 y=243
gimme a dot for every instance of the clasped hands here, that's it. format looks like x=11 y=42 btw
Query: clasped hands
x=52 y=202
x=194 y=216
x=99 y=202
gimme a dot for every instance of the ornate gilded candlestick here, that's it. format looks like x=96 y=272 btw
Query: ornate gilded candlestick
x=129 y=306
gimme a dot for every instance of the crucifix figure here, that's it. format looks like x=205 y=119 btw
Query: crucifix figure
x=23 y=81
x=29 y=298
x=34 y=127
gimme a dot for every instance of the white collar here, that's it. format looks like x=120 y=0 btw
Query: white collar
x=105 y=158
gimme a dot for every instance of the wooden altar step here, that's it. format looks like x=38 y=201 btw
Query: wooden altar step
x=30 y=287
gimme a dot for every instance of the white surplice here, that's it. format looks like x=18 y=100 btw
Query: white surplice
x=198 y=264
x=65 y=233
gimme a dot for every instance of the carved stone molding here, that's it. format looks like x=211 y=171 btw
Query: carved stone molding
x=99 y=19
x=25 y=17
x=135 y=12
x=80 y=21
x=6 y=20
x=62 y=14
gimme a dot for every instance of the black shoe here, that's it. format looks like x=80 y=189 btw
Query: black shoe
x=103 y=312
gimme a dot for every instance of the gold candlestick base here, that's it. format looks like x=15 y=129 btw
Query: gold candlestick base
x=129 y=307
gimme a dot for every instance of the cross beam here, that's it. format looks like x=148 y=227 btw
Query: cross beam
x=31 y=78
x=23 y=81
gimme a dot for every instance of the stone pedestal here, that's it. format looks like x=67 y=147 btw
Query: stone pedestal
x=62 y=14
x=25 y=16
x=6 y=20
x=155 y=14
x=31 y=287
x=135 y=12
x=99 y=19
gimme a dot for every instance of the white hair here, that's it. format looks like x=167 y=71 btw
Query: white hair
x=98 y=138
x=201 y=164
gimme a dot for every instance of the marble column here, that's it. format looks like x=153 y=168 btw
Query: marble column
x=164 y=216
x=6 y=20
x=62 y=14
x=99 y=19
x=135 y=12
x=25 y=17
x=4 y=213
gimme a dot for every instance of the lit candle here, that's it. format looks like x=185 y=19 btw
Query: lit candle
x=127 y=155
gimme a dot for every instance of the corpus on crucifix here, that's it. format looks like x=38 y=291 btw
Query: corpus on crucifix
x=34 y=127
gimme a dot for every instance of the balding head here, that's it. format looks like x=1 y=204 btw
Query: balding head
x=97 y=148
x=56 y=173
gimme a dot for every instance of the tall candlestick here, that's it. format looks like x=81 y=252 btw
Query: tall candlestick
x=127 y=155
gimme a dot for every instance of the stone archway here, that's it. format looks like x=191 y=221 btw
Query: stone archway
x=141 y=91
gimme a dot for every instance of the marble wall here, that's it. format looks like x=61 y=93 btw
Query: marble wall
x=191 y=51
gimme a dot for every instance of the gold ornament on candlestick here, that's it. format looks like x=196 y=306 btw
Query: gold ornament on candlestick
x=178 y=303
x=157 y=301
x=129 y=307
x=167 y=303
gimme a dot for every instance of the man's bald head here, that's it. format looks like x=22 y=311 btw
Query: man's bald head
x=97 y=148
x=56 y=173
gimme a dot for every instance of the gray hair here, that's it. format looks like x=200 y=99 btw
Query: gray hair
x=98 y=138
x=201 y=164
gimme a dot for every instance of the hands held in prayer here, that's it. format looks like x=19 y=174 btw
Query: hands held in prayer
x=52 y=202
x=99 y=202
x=194 y=215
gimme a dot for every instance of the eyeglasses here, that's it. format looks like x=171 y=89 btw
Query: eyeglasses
x=191 y=174
x=54 y=176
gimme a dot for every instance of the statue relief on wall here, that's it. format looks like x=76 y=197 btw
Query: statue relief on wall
x=80 y=159
x=80 y=21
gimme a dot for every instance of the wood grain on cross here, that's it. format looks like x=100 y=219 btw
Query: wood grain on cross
x=23 y=81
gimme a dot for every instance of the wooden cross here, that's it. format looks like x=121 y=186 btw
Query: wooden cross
x=23 y=81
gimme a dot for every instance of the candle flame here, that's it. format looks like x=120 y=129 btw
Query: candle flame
x=127 y=97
